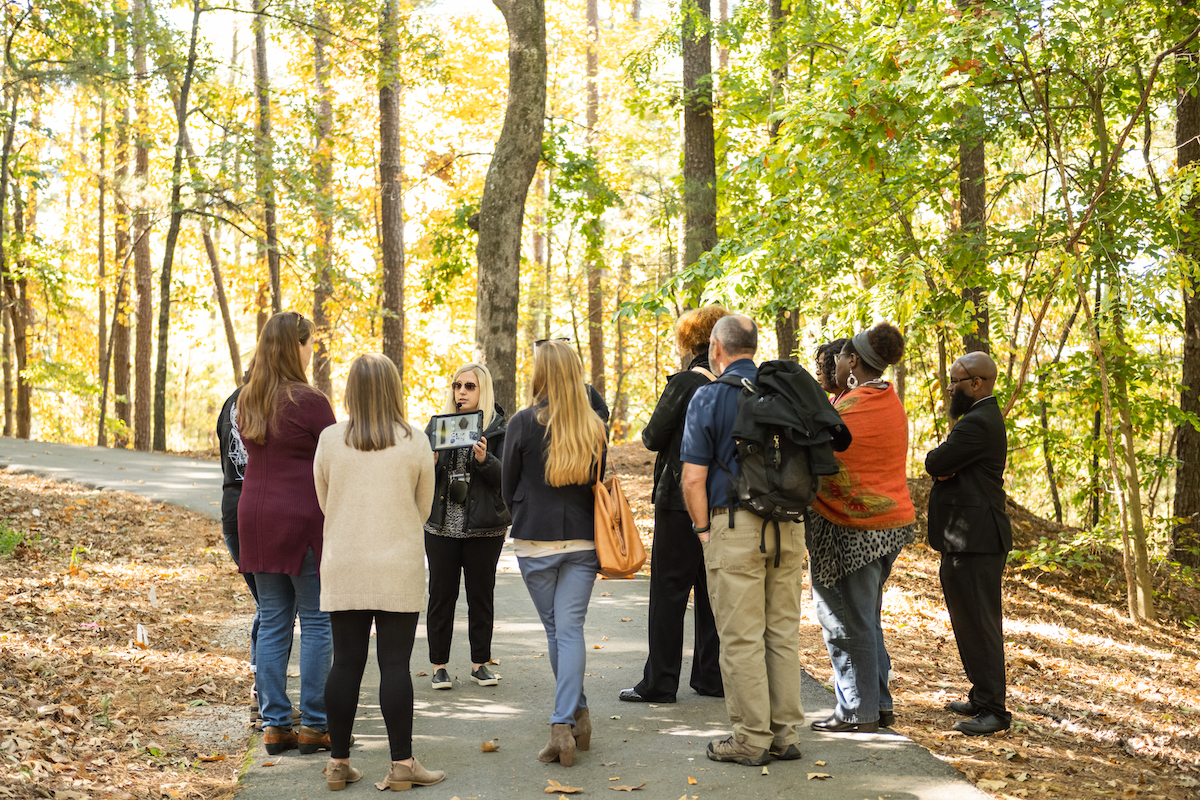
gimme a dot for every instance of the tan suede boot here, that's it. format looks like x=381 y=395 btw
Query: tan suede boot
x=402 y=777
x=561 y=747
x=338 y=774
x=582 y=729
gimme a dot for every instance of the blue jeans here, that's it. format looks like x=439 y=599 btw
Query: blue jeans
x=849 y=614
x=280 y=598
x=561 y=586
x=232 y=545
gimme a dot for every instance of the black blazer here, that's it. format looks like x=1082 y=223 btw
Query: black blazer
x=539 y=511
x=664 y=434
x=966 y=512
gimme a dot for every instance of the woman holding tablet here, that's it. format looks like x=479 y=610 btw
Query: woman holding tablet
x=466 y=529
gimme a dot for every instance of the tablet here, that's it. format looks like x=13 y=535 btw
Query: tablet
x=456 y=430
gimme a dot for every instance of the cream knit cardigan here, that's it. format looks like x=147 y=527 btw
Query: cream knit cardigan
x=375 y=503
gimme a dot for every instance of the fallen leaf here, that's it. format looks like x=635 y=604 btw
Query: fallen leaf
x=627 y=788
x=217 y=757
x=623 y=619
x=422 y=674
x=489 y=747
x=606 y=594
x=819 y=763
x=268 y=763
x=555 y=786
x=818 y=776
x=691 y=781
x=994 y=786
x=597 y=647
x=765 y=771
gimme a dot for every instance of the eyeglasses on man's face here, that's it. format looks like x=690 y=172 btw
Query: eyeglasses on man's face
x=469 y=386
x=956 y=381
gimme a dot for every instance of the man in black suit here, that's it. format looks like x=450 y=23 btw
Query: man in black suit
x=970 y=528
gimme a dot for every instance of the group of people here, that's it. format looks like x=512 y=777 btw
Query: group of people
x=332 y=522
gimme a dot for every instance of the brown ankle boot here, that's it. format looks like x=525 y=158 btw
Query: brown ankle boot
x=338 y=774
x=582 y=729
x=561 y=747
x=402 y=777
x=277 y=740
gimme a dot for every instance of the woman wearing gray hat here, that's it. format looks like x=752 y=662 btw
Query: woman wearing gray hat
x=864 y=517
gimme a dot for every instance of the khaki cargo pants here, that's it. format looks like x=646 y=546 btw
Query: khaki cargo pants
x=757 y=608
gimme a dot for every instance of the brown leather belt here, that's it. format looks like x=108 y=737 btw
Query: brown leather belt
x=718 y=511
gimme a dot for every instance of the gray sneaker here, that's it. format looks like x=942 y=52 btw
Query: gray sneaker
x=441 y=679
x=732 y=750
x=484 y=676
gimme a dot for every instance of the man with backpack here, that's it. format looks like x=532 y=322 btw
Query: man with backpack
x=753 y=577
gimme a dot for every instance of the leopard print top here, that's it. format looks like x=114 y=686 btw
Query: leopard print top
x=835 y=551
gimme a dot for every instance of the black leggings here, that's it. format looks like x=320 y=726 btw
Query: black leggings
x=394 y=635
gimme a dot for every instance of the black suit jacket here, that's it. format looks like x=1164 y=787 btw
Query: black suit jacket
x=540 y=511
x=966 y=512
x=663 y=434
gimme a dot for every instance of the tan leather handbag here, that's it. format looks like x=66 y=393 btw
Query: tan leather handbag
x=618 y=545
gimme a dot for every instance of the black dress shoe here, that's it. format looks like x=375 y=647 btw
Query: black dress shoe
x=631 y=695
x=982 y=724
x=887 y=719
x=964 y=707
x=835 y=725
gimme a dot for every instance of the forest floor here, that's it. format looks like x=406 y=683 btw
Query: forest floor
x=1101 y=707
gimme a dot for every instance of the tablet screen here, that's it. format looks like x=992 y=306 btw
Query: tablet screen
x=456 y=430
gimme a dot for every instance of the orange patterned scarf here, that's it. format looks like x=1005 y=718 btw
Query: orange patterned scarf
x=870 y=491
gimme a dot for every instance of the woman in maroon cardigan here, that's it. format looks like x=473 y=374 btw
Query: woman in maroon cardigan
x=280 y=418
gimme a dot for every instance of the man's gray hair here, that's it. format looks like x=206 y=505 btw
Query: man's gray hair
x=737 y=334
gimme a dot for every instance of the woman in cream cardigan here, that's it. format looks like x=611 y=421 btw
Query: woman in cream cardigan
x=374 y=481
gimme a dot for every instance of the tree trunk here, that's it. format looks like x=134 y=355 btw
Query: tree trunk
x=779 y=62
x=164 y=284
x=972 y=191
x=699 y=145
x=502 y=208
x=264 y=150
x=1185 y=536
x=142 y=269
x=322 y=166
x=14 y=315
x=595 y=254
x=391 y=179
x=24 y=222
x=620 y=425
x=786 y=332
x=8 y=370
x=121 y=310
x=102 y=276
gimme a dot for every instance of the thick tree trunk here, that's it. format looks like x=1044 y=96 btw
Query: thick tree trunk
x=1185 y=536
x=595 y=255
x=699 y=143
x=164 y=285
x=322 y=166
x=391 y=179
x=502 y=208
x=264 y=147
x=142 y=269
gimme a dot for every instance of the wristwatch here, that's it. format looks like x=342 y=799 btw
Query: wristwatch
x=705 y=529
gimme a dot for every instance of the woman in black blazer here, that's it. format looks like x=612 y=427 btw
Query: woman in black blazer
x=554 y=451
x=677 y=557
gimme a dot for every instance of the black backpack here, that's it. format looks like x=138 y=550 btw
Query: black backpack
x=786 y=433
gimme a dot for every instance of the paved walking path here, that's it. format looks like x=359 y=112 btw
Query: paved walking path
x=660 y=746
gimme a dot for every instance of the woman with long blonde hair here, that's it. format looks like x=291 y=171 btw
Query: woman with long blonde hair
x=465 y=532
x=280 y=418
x=555 y=451
x=374 y=480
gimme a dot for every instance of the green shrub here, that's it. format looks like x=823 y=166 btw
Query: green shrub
x=9 y=539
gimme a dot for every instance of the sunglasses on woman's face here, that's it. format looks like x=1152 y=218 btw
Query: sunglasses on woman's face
x=470 y=387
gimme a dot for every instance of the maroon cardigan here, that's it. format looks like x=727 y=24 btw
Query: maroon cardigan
x=278 y=514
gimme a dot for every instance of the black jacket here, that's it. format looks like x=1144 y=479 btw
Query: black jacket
x=233 y=461
x=966 y=511
x=663 y=434
x=542 y=512
x=485 y=510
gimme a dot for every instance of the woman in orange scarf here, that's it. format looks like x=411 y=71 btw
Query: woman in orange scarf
x=864 y=517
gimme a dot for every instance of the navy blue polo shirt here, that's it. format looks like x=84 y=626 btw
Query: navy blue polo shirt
x=708 y=431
